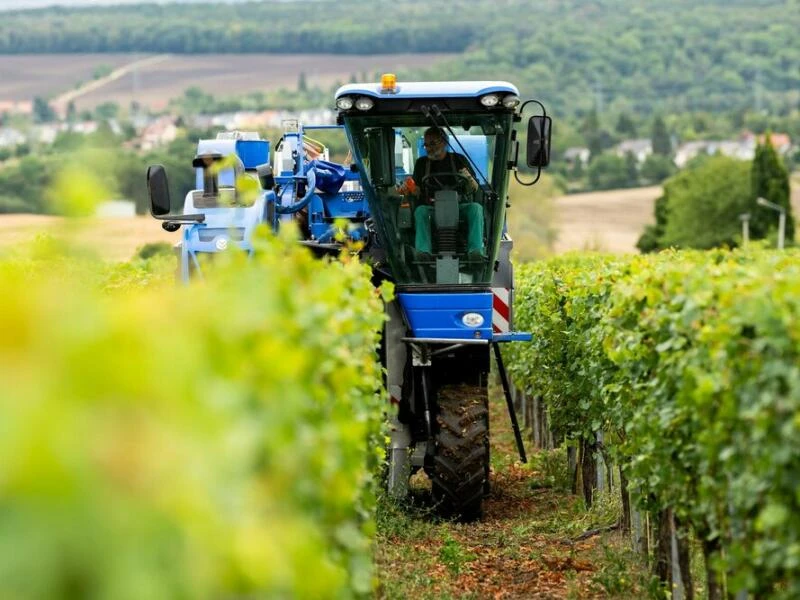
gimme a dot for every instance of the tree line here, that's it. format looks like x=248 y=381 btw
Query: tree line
x=574 y=55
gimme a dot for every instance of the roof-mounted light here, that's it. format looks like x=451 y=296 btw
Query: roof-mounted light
x=388 y=83
x=511 y=101
x=364 y=103
x=490 y=100
x=344 y=103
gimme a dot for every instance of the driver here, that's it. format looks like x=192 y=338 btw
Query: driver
x=449 y=169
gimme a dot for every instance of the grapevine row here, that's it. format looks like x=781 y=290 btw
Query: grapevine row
x=688 y=364
x=213 y=440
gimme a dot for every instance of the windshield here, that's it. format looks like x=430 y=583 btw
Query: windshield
x=437 y=197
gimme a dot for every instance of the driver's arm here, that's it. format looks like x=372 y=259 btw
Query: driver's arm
x=465 y=169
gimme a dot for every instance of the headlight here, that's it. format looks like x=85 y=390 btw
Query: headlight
x=490 y=100
x=472 y=319
x=344 y=103
x=511 y=101
x=364 y=103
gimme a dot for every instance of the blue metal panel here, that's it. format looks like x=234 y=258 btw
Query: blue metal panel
x=439 y=315
x=513 y=336
x=253 y=152
x=430 y=89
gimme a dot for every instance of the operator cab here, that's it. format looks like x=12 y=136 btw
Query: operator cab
x=386 y=124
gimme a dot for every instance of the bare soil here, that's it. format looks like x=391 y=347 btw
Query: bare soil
x=607 y=221
x=613 y=221
x=24 y=76
x=233 y=74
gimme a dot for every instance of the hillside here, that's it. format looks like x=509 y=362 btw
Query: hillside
x=574 y=55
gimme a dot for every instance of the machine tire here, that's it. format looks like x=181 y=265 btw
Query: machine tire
x=460 y=470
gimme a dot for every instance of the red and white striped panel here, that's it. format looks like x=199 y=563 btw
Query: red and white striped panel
x=501 y=310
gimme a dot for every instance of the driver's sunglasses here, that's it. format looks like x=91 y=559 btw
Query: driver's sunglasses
x=433 y=144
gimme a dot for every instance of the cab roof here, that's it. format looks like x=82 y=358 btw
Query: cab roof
x=429 y=89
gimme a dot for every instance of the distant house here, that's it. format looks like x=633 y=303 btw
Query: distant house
x=46 y=133
x=160 y=132
x=16 y=107
x=780 y=141
x=84 y=127
x=742 y=149
x=640 y=149
x=10 y=137
x=575 y=154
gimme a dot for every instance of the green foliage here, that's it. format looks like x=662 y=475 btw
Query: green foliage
x=609 y=171
x=42 y=111
x=152 y=249
x=453 y=555
x=204 y=441
x=28 y=183
x=659 y=137
x=656 y=168
x=703 y=204
x=636 y=56
x=689 y=362
x=769 y=180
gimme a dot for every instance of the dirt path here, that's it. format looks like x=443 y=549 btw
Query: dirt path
x=64 y=99
x=524 y=547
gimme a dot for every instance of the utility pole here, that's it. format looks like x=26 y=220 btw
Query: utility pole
x=781 y=219
x=745 y=218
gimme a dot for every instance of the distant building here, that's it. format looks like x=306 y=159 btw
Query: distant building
x=741 y=149
x=160 y=132
x=46 y=133
x=10 y=137
x=640 y=149
x=575 y=154
x=16 y=107
x=780 y=141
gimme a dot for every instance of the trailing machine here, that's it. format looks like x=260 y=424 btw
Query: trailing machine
x=453 y=304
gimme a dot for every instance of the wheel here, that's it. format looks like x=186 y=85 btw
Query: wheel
x=460 y=470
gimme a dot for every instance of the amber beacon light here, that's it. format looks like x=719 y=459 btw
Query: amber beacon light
x=388 y=83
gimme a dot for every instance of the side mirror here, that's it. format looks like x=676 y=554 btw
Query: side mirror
x=158 y=188
x=380 y=151
x=538 y=151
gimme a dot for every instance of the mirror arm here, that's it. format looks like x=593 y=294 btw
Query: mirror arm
x=538 y=175
x=524 y=104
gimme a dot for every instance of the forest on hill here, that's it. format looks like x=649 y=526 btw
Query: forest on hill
x=623 y=55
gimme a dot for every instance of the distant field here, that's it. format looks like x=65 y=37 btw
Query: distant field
x=613 y=221
x=25 y=76
x=609 y=221
x=115 y=239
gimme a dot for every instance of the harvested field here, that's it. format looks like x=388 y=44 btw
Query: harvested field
x=609 y=221
x=612 y=221
x=25 y=76
x=115 y=239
